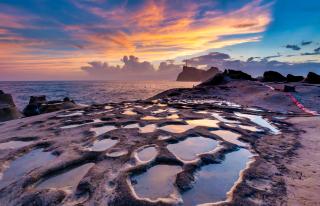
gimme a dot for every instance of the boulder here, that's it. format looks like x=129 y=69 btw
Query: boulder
x=8 y=109
x=312 y=78
x=192 y=74
x=38 y=99
x=293 y=78
x=288 y=88
x=273 y=76
x=39 y=105
x=236 y=74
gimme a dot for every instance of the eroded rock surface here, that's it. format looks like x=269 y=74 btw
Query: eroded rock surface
x=257 y=137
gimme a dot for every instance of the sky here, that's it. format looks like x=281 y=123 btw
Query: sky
x=150 y=39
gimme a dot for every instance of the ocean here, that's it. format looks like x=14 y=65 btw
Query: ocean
x=88 y=92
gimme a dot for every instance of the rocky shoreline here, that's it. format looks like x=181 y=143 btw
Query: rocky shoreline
x=96 y=155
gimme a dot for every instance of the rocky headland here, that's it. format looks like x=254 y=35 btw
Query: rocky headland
x=192 y=74
x=232 y=140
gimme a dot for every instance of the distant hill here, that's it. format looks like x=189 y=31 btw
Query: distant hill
x=192 y=74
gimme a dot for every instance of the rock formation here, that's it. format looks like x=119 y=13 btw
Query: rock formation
x=225 y=77
x=312 y=78
x=236 y=74
x=293 y=78
x=39 y=105
x=273 y=76
x=192 y=74
x=8 y=109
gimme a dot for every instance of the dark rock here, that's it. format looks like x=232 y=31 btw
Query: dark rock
x=236 y=74
x=38 y=105
x=289 y=88
x=66 y=99
x=192 y=74
x=313 y=78
x=8 y=109
x=184 y=180
x=273 y=76
x=37 y=99
x=215 y=80
x=293 y=78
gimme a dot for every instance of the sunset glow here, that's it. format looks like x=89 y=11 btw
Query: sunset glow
x=56 y=39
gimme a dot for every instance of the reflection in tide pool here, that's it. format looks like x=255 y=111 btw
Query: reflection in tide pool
x=215 y=180
x=68 y=180
x=157 y=182
x=25 y=164
x=102 y=145
x=229 y=137
x=148 y=128
x=189 y=148
x=146 y=154
x=203 y=122
x=103 y=129
x=222 y=119
x=259 y=121
x=176 y=128
x=150 y=118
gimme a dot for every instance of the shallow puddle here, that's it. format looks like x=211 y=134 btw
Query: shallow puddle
x=129 y=112
x=14 y=144
x=172 y=116
x=259 y=120
x=157 y=182
x=203 y=122
x=102 y=145
x=104 y=129
x=146 y=154
x=249 y=128
x=118 y=153
x=222 y=119
x=79 y=125
x=108 y=107
x=164 y=137
x=229 y=137
x=68 y=180
x=176 y=128
x=148 y=128
x=24 y=164
x=150 y=118
x=189 y=148
x=158 y=111
x=215 y=180
x=131 y=126
x=74 y=114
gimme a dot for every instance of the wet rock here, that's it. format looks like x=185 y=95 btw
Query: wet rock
x=8 y=109
x=39 y=105
x=313 y=78
x=185 y=179
x=236 y=74
x=289 y=88
x=192 y=74
x=273 y=76
x=293 y=78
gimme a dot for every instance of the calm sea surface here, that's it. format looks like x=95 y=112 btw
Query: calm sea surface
x=88 y=92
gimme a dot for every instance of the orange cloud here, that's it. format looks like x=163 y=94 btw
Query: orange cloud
x=153 y=32
x=157 y=32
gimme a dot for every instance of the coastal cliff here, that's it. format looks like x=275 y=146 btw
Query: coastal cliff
x=192 y=74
